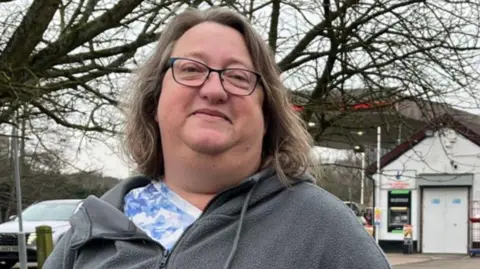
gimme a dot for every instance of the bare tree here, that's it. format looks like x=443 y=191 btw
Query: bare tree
x=358 y=64
x=342 y=176
x=43 y=179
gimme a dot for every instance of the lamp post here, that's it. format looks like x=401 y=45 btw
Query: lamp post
x=362 y=186
x=377 y=184
x=361 y=150
x=22 y=248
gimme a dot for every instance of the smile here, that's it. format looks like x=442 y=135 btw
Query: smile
x=211 y=114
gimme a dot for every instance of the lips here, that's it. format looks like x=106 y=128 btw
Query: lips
x=211 y=112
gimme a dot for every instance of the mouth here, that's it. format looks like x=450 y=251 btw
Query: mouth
x=212 y=113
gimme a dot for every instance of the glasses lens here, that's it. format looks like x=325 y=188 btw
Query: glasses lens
x=189 y=72
x=239 y=81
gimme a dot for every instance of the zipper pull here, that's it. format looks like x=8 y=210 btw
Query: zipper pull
x=166 y=255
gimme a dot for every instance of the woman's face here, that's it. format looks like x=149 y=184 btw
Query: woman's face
x=207 y=119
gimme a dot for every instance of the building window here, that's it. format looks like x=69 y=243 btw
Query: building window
x=399 y=210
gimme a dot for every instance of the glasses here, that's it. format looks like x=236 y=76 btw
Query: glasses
x=192 y=73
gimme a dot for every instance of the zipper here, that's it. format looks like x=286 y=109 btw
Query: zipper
x=208 y=209
x=166 y=255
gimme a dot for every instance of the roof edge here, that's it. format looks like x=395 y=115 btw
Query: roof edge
x=446 y=121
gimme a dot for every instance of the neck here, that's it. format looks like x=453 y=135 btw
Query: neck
x=199 y=178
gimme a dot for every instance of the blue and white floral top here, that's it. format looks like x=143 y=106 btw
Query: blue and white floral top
x=159 y=212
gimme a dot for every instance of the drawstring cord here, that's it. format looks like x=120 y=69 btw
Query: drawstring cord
x=239 y=229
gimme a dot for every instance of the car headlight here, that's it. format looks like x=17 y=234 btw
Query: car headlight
x=32 y=239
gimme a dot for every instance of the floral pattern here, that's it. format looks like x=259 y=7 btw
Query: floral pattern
x=159 y=212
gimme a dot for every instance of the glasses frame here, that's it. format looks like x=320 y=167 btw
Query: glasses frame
x=258 y=77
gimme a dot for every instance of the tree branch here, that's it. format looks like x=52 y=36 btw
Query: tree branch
x=29 y=32
x=272 y=36
x=83 y=33
x=313 y=33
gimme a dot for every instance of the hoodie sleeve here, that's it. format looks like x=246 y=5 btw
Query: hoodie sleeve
x=61 y=256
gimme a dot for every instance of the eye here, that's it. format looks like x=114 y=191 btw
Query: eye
x=238 y=75
x=192 y=68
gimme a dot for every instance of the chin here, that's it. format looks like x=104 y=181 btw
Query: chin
x=213 y=148
x=209 y=149
x=209 y=143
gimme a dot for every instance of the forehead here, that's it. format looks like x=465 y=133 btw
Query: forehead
x=213 y=43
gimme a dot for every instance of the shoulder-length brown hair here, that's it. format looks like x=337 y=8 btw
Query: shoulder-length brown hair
x=286 y=144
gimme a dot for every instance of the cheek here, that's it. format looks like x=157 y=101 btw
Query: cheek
x=166 y=99
x=254 y=120
x=174 y=103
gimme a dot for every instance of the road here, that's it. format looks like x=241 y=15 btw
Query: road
x=420 y=261
x=442 y=264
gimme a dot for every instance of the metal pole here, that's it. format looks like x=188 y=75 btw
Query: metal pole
x=399 y=139
x=377 y=189
x=362 y=186
x=22 y=248
x=350 y=192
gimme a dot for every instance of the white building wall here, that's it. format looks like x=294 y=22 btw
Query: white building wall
x=431 y=156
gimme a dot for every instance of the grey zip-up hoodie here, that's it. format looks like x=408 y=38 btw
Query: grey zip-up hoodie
x=259 y=224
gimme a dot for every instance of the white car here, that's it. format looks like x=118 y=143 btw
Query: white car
x=53 y=213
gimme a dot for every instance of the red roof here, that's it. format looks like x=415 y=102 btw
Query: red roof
x=445 y=121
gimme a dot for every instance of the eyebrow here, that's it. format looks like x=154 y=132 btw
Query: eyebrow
x=231 y=60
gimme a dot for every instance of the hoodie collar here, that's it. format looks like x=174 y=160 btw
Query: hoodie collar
x=104 y=218
x=115 y=195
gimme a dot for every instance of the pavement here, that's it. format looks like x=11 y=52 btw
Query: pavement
x=401 y=259
x=425 y=261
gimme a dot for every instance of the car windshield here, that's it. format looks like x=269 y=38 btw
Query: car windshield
x=49 y=212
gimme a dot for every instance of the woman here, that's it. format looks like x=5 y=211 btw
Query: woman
x=224 y=165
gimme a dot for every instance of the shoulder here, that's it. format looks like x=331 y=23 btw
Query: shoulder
x=328 y=212
x=328 y=220
x=320 y=201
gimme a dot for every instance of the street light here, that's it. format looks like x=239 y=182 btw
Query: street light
x=361 y=149
x=358 y=148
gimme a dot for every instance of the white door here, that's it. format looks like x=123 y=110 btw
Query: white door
x=445 y=220
x=456 y=224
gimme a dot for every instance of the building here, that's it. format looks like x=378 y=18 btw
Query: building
x=430 y=181
x=421 y=167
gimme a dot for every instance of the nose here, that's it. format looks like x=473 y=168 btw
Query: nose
x=212 y=89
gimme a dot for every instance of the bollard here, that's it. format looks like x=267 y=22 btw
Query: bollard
x=44 y=244
x=407 y=239
x=407 y=246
